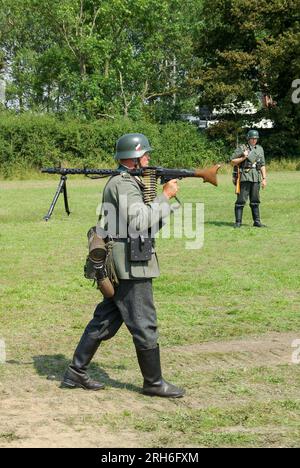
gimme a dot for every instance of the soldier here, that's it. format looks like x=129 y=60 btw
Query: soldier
x=133 y=299
x=249 y=173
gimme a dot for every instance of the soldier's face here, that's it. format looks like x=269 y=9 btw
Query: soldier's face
x=253 y=141
x=144 y=160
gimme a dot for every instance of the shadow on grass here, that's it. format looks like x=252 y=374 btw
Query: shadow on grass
x=220 y=223
x=53 y=367
x=18 y=363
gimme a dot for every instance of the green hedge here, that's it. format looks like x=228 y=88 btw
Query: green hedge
x=29 y=141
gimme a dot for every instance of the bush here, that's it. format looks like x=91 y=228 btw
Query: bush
x=30 y=141
x=183 y=146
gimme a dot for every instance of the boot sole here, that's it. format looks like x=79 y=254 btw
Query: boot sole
x=162 y=396
x=70 y=384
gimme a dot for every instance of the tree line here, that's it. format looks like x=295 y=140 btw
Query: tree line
x=155 y=60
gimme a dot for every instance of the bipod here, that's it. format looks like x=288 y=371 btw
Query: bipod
x=62 y=188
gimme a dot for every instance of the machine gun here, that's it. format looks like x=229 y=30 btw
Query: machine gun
x=150 y=176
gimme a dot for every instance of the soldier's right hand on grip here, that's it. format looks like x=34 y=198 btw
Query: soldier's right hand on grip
x=170 y=188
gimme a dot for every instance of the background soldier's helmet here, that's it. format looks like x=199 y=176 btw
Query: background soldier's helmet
x=132 y=146
x=252 y=134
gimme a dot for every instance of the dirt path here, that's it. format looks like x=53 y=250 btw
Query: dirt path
x=270 y=349
x=39 y=414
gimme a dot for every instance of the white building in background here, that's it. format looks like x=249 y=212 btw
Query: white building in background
x=244 y=108
x=206 y=119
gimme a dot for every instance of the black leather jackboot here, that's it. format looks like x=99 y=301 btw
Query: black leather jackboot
x=238 y=211
x=154 y=384
x=76 y=375
x=256 y=216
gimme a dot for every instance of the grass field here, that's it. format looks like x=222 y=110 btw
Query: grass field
x=228 y=315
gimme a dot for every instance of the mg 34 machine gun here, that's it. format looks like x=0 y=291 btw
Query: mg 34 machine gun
x=150 y=176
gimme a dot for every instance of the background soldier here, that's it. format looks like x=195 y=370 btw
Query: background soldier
x=249 y=173
x=133 y=299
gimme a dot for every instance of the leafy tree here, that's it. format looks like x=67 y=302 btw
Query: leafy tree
x=97 y=58
x=249 y=50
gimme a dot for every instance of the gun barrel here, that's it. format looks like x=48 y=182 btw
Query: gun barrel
x=72 y=171
x=208 y=174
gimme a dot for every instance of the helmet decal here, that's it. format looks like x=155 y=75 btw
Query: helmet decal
x=131 y=146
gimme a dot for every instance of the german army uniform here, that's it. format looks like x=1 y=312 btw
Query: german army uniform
x=250 y=180
x=133 y=300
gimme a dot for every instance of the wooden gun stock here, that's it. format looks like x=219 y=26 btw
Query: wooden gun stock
x=238 y=182
x=209 y=174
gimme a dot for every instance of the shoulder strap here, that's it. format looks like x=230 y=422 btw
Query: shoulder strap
x=102 y=201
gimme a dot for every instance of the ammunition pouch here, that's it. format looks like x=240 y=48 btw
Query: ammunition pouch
x=99 y=265
x=258 y=165
x=247 y=166
x=140 y=248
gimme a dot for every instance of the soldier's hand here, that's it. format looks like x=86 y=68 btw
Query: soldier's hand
x=264 y=183
x=170 y=188
x=245 y=153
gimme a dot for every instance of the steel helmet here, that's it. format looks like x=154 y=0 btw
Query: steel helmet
x=132 y=146
x=252 y=134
